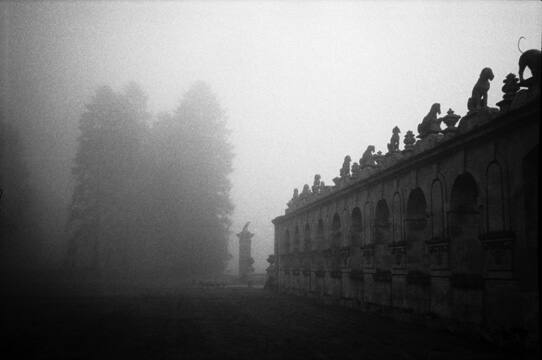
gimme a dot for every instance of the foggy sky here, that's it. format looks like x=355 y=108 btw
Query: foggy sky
x=303 y=83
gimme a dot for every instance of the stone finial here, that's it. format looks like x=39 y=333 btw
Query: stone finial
x=393 y=146
x=367 y=159
x=450 y=120
x=378 y=158
x=316 y=184
x=355 y=169
x=478 y=99
x=430 y=123
x=510 y=88
x=409 y=140
x=345 y=170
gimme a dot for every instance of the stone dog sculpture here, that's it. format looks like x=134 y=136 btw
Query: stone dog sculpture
x=529 y=59
x=393 y=145
x=478 y=99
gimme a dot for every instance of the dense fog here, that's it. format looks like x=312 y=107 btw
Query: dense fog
x=138 y=138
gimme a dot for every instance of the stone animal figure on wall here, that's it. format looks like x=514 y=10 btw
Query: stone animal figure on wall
x=393 y=146
x=316 y=184
x=529 y=59
x=430 y=124
x=478 y=99
x=345 y=170
x=367 y=157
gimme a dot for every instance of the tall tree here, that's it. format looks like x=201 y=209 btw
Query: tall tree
x=105 y=171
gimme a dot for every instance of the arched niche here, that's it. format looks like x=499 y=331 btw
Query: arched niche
x=495 y=200
x=382 y=222
x=336 y=231
x=416 y=228
x=437 y=211
x=396 y=218
x=530 y=202
x=465 y=248
x=357 y=227
x=368 y=223
x=307 y=242
x=286 y=242
x=296 y=239
x=320 y=234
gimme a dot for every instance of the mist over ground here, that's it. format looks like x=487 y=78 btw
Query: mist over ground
x=301 y=85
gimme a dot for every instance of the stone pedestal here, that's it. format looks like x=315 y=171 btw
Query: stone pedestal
x=245 y=259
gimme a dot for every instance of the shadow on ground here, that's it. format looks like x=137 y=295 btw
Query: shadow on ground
x=225 y=323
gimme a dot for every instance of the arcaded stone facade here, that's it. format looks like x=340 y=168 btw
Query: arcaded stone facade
x=446 y=227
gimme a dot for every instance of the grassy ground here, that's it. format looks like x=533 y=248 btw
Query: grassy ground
x=227 y=323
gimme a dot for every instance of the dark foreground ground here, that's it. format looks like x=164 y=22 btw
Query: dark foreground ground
x=227 y=323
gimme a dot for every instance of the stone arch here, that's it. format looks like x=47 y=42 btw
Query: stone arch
x=307 y=242
x=438 y=220
x=320 y=234
x=368 y=212
x=382 y=222
x=396 y=218
x=495 y=199
x=465 y=247
x=356 y=226
x=416 y=228
x=530 y=202
x=336 y=231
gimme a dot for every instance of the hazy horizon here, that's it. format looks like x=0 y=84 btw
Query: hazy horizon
x=303 y=83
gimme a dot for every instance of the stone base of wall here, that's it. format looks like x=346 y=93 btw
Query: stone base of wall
x=494 y=310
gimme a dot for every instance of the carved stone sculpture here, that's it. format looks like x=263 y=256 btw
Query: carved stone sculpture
x=305 y=193
x=295 y=197
x=430 y=123
x=367 y=159
x=345 y=170
x=409 y=140
x=393 y=146
x=530 y=59
x=379 y=158
x=450 y=120
x=510 y=88
x=316 y=184
x=478 y=99
x=322 y=187
x=355 y=169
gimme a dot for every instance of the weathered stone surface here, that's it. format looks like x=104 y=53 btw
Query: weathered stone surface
x=446 y=227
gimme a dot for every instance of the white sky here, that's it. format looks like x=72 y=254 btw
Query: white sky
x=304 y=83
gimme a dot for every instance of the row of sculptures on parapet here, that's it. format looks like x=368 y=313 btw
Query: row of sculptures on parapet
x=431 y=123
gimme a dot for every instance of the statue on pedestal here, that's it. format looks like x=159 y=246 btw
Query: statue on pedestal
x=367 y=159
x=345 y=170
x=430 y=123
x=316 y=184
x=478 y=99
x=393 y=146
x=245 y=259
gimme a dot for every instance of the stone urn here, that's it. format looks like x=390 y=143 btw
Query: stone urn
x=450 y=120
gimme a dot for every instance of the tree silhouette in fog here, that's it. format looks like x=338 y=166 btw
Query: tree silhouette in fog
x=151 y=198
x=16 y=212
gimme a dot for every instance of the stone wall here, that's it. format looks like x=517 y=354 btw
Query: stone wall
x=447 y=227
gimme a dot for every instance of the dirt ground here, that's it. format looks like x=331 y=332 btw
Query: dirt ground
x=225 y=323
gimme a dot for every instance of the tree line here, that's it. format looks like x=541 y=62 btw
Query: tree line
x=151 y=194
